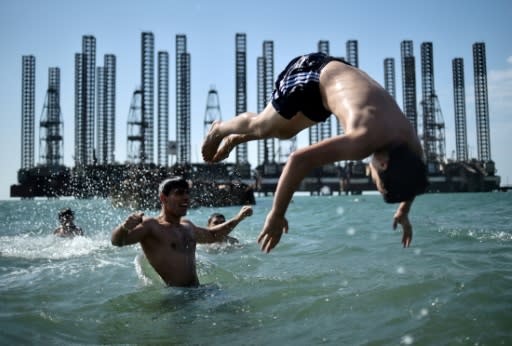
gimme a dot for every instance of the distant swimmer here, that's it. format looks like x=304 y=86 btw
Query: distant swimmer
x=67 y=226
x=307 y=92
x=168 y=241
x=218 y=219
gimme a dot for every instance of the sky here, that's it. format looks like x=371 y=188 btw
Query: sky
x=52 y=31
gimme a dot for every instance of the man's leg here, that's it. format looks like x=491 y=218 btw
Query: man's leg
x=247 y=127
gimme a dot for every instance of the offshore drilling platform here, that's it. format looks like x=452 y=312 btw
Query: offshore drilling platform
x=134 y=183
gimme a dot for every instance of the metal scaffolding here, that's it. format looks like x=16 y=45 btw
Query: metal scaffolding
x=266 y=147
x=389 y=76
x=212 y=112
x=182 y=101
x=51 y=128
x=28 y=95
x=352 y=53
x=481 y=102
x=85 y=73
x=409 y=83
x=433 y=121
x=163 y=108
x=148 y=86
x=136 y=130
x=241 y=89
x=459 y=103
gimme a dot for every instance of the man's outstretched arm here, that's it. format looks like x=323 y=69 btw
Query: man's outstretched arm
x=402 y=217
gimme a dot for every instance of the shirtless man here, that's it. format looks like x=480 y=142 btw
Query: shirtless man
x=67 y=228
x=217 y=219
x=309 y=89
x=168 y=241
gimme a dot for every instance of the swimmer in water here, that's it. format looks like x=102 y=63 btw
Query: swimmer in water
x=67 y=228
x=168 y=241
x=218 y=219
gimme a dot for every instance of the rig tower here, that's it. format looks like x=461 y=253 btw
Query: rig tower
x=433 y=122
x=459 y=103
x=50 y=135
x=106 y=110
x=136 y=129
x=212 y=112
x=241 y=89
x=85 y=79
x=266 y=147
x=148 y=87
x=28 y=101
x=182 y=100
x=409 y=83
x=389 y=76
x=481 y=102
x=163 y=108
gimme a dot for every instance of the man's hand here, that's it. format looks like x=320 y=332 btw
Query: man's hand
x=272 y=232
x=402 y=217
x=133 y=220
x=244 y=212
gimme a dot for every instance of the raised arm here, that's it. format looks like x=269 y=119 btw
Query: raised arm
x=218 y=232
x=354 y=146
x=131 y=231
x=402 y=217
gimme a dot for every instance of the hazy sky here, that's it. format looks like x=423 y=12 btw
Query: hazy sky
x=52 y=31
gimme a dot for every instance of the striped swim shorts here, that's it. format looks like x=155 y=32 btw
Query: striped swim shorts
x=297 y=87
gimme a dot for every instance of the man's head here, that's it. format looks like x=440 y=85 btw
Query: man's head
x=66 y=214
x=216 y=219
x=174 y=183
x=402 y=174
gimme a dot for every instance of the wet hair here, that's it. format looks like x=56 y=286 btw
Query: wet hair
x=215 y=215
x=405 y=176
x=66 y=212
x=172 y=183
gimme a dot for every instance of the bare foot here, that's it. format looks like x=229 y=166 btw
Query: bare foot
x=211 y=142
x=223 y=152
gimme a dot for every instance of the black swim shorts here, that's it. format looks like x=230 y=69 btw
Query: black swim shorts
x=297 y=87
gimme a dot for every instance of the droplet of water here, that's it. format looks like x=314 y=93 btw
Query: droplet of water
x=406 y=340
x=351 y=231
x=400 y=270
x=340 y=210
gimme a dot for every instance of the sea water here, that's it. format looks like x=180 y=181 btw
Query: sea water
x=339 y=277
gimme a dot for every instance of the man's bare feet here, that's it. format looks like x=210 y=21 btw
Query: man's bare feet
x=223 y=152
x=211 y=142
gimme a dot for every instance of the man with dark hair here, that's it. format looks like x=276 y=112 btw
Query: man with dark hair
x=308 y=91
x=218 y=219
x=67 y=228
x=168 y=240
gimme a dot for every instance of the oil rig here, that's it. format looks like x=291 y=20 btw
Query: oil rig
x=134 y=183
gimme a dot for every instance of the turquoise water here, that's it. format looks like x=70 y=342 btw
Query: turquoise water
x=340 y=277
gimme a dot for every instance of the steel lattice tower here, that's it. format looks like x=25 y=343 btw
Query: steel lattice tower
x=148 y=87
x=163 y=108
x=352 y=53
x=241 y=89
x=433 y=123
x=320 y=130
x=212 y=112
x=106 y=110
x=182 y=100
x=85 y=72
x=135 y=131
x=50 y=134
x=481 y=102
x=28 y=96
x=266 y=147
x=409 y=83
x=389 y=76
x=459 y=103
